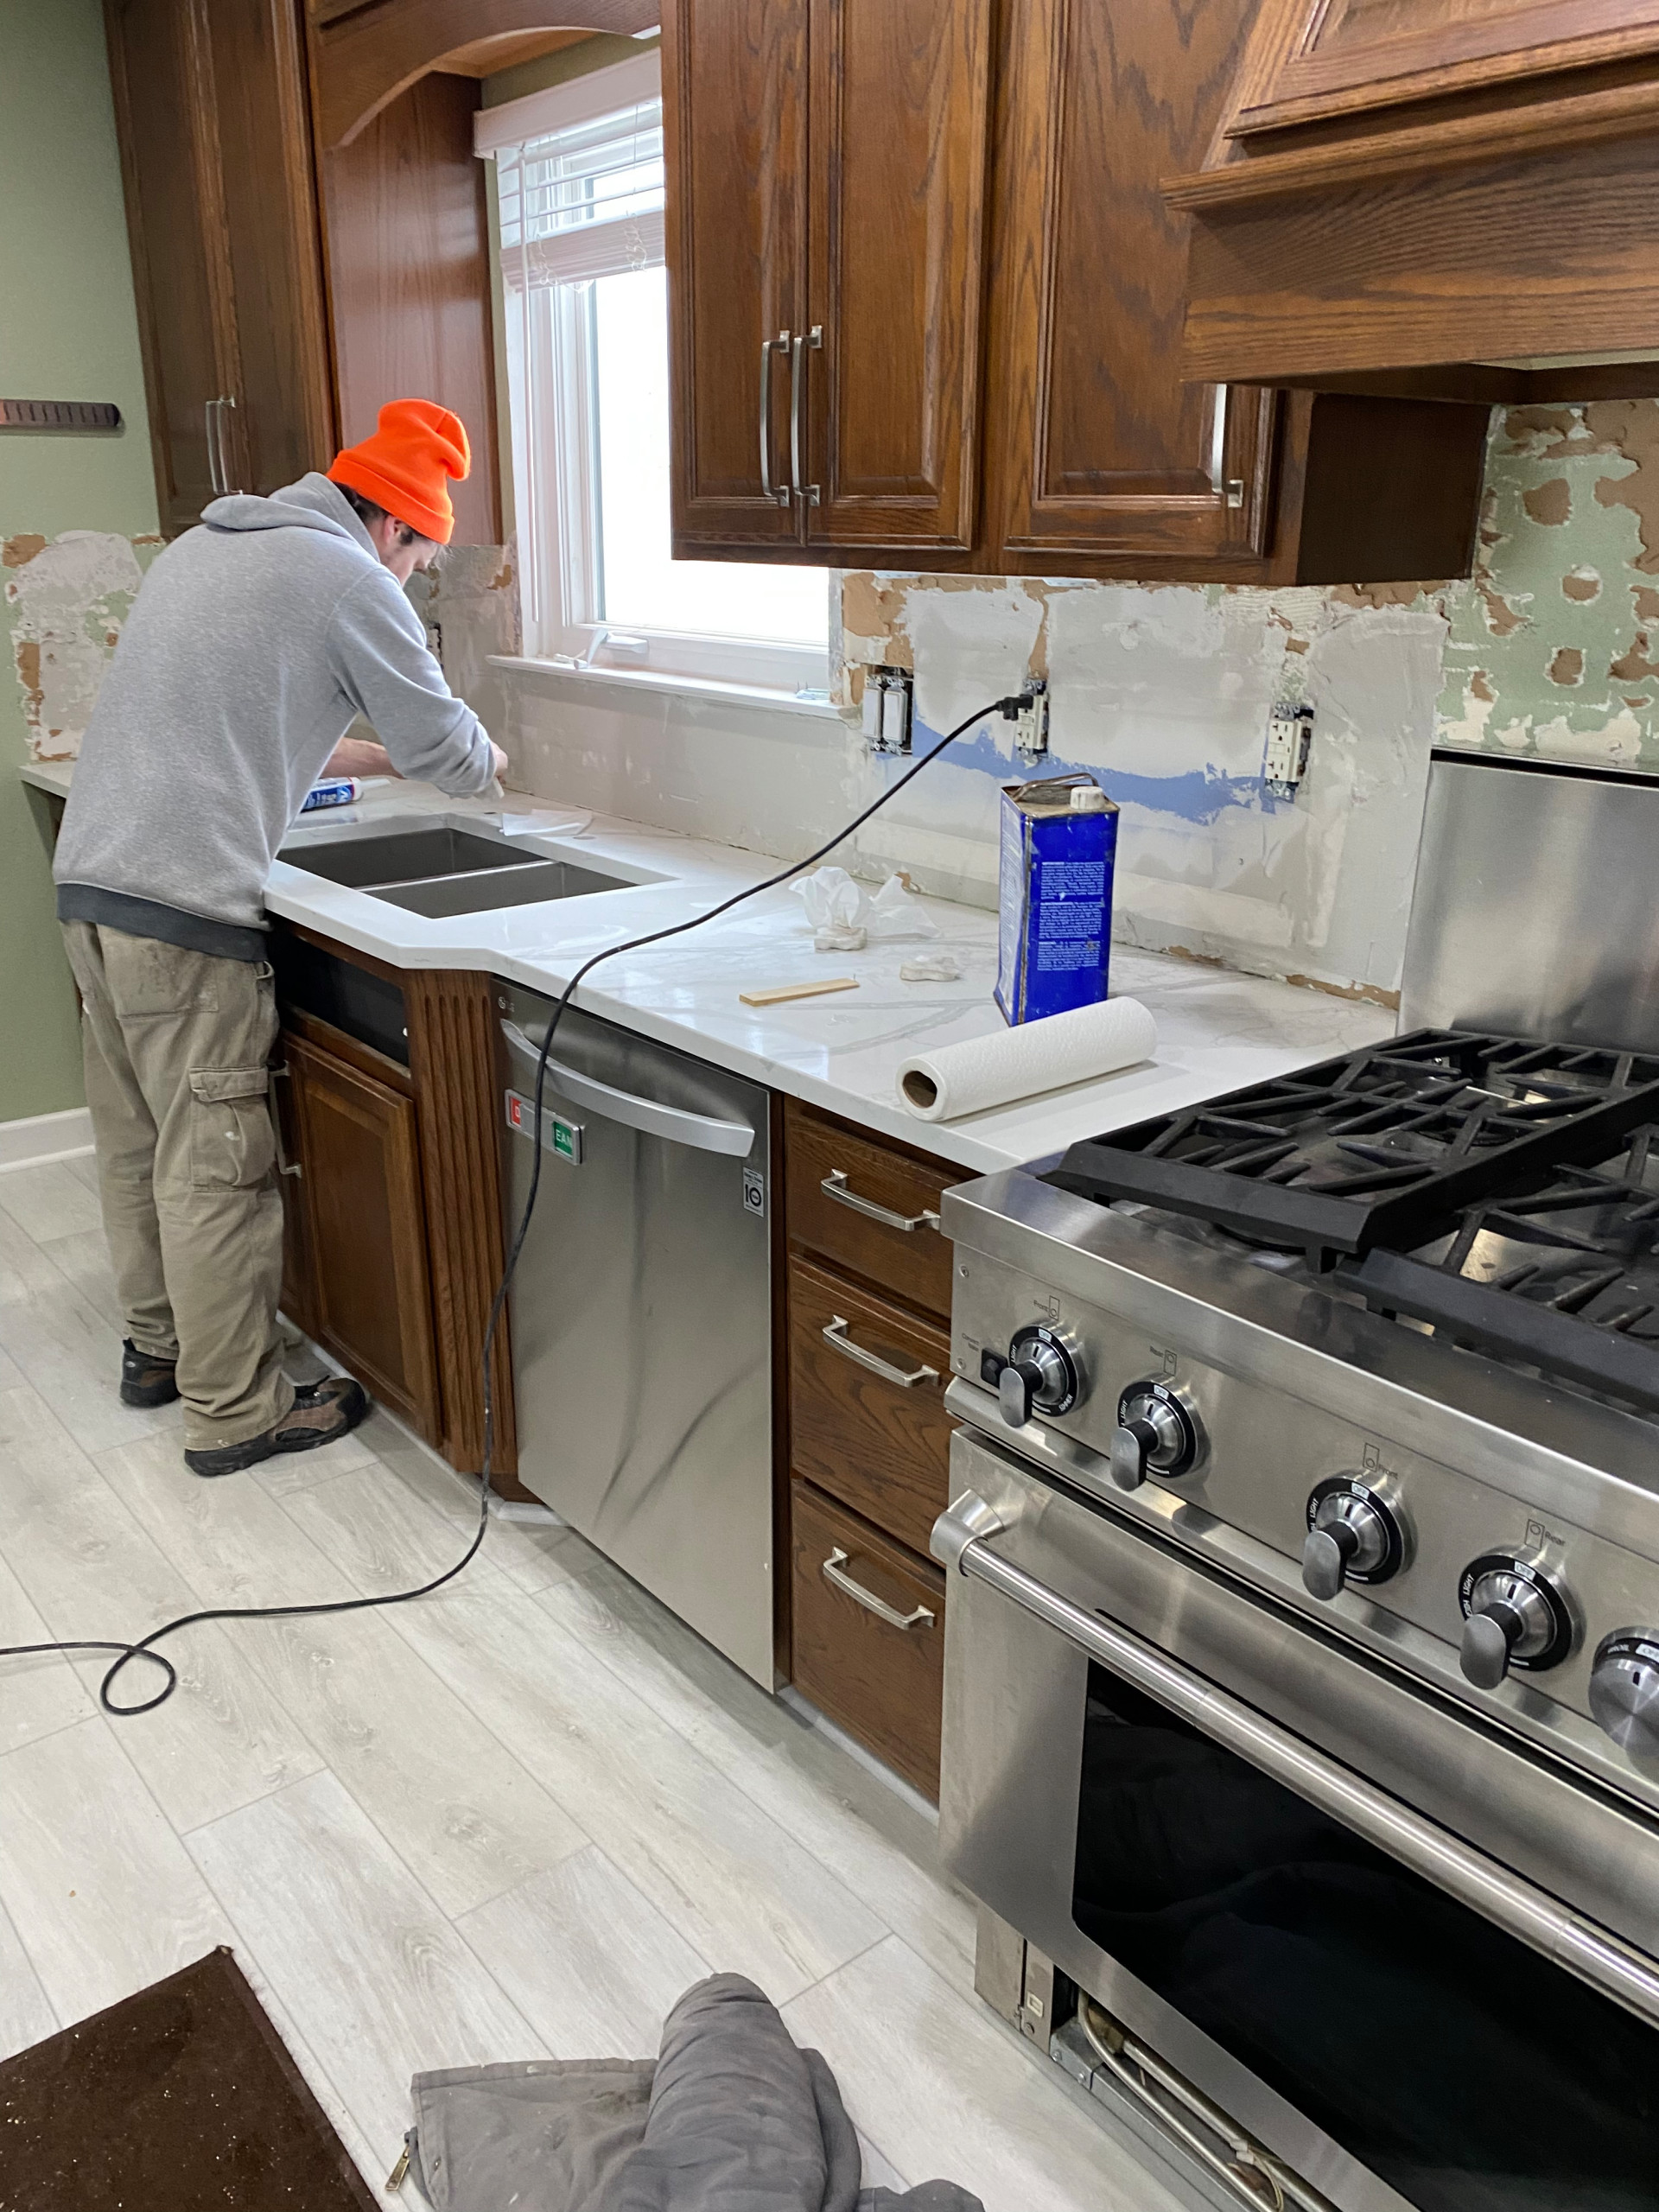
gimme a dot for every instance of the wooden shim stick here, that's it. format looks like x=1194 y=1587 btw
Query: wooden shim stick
x=783 y=991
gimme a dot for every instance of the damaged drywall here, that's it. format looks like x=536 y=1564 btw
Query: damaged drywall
x=1163 y=693
x=1553 y=645
x=66 y=598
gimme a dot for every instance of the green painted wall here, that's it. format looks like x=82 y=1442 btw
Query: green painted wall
x=1551 y=647
x=578 y=60
x=68 y=330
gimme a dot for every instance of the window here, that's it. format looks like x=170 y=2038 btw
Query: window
x=579 y=173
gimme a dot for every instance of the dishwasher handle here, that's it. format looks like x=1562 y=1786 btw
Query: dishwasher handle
x=702 y=1132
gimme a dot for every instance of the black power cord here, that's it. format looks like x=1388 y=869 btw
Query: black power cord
x=145 y=1647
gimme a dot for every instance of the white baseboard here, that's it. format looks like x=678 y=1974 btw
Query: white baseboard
x=39 y=1137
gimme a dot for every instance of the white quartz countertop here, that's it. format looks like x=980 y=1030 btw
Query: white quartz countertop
x=1216 y=1030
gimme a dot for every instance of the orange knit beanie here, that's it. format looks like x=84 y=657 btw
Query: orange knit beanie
x=405 y=466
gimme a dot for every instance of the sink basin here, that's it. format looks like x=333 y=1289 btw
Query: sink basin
x=404 y=857
x=497 y=886
x=440 y=870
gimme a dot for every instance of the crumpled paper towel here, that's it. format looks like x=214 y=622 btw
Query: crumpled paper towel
x=843 y=917
x=939 y=967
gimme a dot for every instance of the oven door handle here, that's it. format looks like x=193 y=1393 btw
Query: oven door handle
x=961 y=1538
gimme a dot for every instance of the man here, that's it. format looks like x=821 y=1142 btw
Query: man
x=254 y=643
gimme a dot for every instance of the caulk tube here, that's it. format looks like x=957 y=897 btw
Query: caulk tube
x=334 y=790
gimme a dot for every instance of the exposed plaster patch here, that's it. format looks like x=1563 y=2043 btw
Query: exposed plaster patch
x=1382 y=594
x=1567 y=666
x=1635 y=666
x=24 y=547
x=1549 y=503
x=1581 y=583
x=68 y=598
x=1479 y=688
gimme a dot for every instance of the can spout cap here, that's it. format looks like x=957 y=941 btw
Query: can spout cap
x=1089 y=799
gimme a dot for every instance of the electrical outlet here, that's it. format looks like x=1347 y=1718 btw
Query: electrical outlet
x=889 y=701
x=1031 y=724
x=1290 y=735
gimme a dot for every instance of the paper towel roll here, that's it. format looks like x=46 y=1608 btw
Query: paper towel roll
x=985 y=1071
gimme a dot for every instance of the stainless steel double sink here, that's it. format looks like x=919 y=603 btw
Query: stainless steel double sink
x=438 y=870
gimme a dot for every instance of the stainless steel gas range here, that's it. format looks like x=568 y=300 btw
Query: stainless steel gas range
x=1302 y=1651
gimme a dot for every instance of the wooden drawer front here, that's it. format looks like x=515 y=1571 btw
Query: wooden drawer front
x=882 y=1683
x=880 y=1445
x=914 y=1264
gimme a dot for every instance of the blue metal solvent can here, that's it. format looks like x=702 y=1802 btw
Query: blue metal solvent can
x=1058 y=848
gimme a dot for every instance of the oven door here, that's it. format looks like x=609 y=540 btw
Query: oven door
x=1252 y=1845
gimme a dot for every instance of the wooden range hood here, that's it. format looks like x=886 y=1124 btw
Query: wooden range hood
x=1455 y=198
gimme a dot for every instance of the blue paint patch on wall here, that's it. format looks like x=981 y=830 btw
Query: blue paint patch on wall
x=1199 y=795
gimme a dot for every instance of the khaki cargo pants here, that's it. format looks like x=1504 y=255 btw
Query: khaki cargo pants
x=176 y=1045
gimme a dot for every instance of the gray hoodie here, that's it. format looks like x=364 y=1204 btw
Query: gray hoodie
x=254 y=643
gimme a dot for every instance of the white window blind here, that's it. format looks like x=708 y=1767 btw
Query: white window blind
x=583 y=201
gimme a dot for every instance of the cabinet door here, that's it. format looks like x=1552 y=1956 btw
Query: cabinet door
x=899 y=143
x=408 y=278
x=373 y=1296
x=1107 y=453
x=282 y=421
x=1315 y=59
x=160 y=72
x=734 y=131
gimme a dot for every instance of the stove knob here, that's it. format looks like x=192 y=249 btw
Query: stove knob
x=1039 y=1374
x=1352 y=1536
x=1625 y=1690
x=1513 y=1616
x=1155 y=1435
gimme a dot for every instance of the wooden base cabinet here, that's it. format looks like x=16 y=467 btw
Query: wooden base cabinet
x=868 y=1441
x=387 y=1098
x=365 y=1227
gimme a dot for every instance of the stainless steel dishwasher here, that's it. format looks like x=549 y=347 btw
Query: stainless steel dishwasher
x=641 y=1315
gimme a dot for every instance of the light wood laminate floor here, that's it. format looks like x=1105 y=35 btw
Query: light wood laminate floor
x=512 y=1820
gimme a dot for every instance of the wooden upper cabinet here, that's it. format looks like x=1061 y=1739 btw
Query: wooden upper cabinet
x=409 y=279
x=283 y=422
x=1107 y=454
x=825 y=278
x=210 y=114
x=900 y=129
x=734 y=133
x=161 y=74
x=1312 y=59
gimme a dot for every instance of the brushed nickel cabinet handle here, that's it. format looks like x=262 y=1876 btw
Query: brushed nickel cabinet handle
x=834 y=1573
x=834 y=1335
x=284 y=1165
x=800 y=346
x=834 y=1185
x=778 y=493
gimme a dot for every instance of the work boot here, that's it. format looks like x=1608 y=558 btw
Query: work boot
x=147 y=1379
x=320 y=1412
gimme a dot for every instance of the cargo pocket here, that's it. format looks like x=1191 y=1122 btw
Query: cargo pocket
x=232 y=1146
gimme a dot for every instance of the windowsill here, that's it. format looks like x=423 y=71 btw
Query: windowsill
x=692 y=687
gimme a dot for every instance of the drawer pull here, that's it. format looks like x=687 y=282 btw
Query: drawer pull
x=834 y=1573
x=834 y=1333
x=834 y=1185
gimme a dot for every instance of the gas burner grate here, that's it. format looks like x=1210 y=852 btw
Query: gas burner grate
x=1383 y=1146
x=1563 y=1274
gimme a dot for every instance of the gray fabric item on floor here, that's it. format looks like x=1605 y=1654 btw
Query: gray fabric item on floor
x=731 y=2117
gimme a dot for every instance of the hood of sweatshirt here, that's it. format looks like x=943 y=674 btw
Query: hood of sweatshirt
x=313 y=503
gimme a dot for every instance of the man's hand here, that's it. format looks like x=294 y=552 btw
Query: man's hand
x=500 y=762
x=359 y=756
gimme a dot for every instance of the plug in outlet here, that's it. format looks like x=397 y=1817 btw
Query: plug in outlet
x=1031 y=724
x=1290 y=735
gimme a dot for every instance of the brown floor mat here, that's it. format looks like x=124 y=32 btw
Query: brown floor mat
x=182 y=2099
